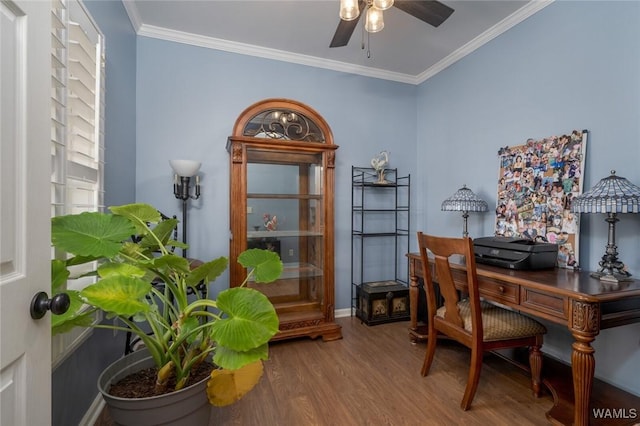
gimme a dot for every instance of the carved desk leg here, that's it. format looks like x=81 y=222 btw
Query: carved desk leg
x=585 y=326
x=414 y=294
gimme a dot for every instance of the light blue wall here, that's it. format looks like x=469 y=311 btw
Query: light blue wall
x=189 y=99
x=574 y=65
x=120 y=108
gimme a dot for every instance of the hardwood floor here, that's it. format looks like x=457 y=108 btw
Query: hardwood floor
x=372 y=377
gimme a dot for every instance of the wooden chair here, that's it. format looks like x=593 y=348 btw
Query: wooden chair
x=479 y=325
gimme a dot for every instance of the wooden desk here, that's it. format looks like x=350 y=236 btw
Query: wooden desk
x=582 y=303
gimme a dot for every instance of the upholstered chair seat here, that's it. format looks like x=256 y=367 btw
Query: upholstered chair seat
x=498 y=323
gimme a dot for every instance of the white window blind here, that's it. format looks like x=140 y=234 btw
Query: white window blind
x=77 y=129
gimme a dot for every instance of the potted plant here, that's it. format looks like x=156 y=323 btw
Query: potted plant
x=150 y=290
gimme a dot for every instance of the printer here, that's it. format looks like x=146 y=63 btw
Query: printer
x=515 y=253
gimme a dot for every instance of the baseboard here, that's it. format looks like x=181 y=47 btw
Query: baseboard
x=341 y=313
x=93 y=413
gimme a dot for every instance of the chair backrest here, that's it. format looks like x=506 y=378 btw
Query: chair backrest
x=442 y=248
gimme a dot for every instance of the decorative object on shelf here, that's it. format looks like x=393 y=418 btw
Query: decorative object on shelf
x=537 y=182
x=464 y=200
x=270 y=222
x=612 y=195
x=184 y=170
x=379 y=164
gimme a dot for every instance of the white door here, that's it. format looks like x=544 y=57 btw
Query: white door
x=25 y=138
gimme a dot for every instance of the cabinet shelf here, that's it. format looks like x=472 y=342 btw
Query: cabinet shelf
x=380 y=237
x=283 y=234
x=360 y=209
x=297 y=270
x=375 y=234
x=285 y=196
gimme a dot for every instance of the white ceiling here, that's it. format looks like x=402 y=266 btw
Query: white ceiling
x=406 y=50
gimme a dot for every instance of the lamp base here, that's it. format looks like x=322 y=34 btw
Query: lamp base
x=612 y=277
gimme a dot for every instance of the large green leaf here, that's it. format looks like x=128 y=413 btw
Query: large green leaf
x=266 y=264
x=231 y=360
x=108 y=269
x=81 y=260
x=186 y=327
x=118 y=294
x=75 y=316
x=90 y=233
x=171 y=262
x=208 y=271
x=163 y=231
x=135 y=251
x=59 y=275
x=139 y=213
x=250 y=320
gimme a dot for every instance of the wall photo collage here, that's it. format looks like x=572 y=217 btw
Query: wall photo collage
x=536 y=185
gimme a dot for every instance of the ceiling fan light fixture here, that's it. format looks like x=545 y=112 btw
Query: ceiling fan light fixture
x=374 y=21
x=383 y=4
x=349 y=10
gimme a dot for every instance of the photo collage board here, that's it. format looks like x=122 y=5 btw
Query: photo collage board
x=536 y=185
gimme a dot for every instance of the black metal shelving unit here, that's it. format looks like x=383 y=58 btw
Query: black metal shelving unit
x=380 y=224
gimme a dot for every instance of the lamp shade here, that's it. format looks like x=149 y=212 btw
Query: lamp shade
x=613 y=194
x=383 y=4
x=374 y=21
x=464 y=200
x=186 y=168
x=349 y=10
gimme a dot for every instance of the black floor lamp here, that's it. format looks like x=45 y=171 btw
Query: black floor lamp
x=184 y=170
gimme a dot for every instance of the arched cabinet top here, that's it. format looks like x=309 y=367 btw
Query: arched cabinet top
x=285 y=120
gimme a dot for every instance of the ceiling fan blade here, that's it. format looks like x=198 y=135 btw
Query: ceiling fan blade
x=345 y=28
x=431 y=12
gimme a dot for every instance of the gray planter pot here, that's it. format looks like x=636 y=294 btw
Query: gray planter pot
x=186 y=407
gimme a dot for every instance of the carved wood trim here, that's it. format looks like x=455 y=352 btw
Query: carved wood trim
x=585 y=317
x=331 y=159
x=236 y=152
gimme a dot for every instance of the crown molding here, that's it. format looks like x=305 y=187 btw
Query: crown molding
x=312 y=61
x=493 y=32
x=268 y=53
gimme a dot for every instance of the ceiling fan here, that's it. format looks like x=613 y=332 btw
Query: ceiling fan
x=430 y=11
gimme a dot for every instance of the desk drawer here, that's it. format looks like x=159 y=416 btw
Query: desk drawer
x=495 y=290
x=556 y=307
x=499 y=290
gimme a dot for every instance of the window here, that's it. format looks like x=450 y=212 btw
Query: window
x=77 y=127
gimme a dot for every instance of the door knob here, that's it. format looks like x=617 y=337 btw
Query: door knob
x=40 y=304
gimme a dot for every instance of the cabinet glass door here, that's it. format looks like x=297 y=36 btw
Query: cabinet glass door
x=284 y=205
x=282 y=178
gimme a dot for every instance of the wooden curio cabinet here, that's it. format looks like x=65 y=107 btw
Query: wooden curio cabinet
x=282 y=160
